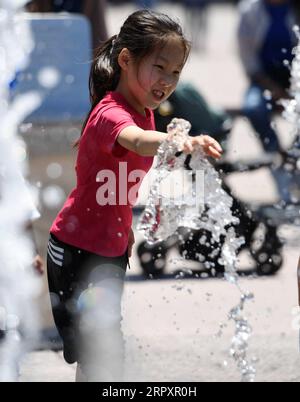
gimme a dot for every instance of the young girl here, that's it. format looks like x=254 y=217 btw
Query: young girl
x=91 y=238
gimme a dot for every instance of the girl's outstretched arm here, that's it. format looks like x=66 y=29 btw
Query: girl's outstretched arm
x=146 y=143
x=142 y=142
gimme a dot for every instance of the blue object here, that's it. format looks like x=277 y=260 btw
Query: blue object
x=148 y=4
x=63 y=55
x=257 y=111
x=13 y=84
x=278 y=44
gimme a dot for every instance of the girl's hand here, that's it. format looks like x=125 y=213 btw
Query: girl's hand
x=209 y=145
x=38 y=264
x=131 y=241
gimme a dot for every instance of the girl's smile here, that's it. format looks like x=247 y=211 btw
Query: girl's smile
x=158 y=95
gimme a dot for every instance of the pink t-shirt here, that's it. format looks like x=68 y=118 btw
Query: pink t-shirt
x=84 y=221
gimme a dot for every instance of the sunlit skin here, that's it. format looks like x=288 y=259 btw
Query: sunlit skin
x=148 y=83
x=38 y=265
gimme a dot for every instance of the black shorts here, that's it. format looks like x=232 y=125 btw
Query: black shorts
x=71 y=272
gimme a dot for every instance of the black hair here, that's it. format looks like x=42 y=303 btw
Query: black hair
x=141 y=34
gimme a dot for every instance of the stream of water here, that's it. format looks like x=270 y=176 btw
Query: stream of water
x=205 y=206
x=18 y=284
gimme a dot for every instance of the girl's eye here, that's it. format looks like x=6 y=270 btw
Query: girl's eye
x=176 y=73
x=159 y=66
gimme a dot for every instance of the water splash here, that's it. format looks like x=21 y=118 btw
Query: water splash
x=239 y=343
x=158 y=223
x=291 y=166
x=18 y=286
x=292 y=106
x=163 y=217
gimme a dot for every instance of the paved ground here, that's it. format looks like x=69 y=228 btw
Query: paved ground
x=170 y=327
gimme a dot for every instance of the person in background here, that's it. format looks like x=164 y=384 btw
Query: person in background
x=94 y=10
x=147 y=4
x=298 y=284
x=196 y=21
x=266 y=41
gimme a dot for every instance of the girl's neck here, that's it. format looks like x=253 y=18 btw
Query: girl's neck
x=123 y=89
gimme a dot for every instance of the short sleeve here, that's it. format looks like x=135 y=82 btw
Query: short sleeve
x=110 y=124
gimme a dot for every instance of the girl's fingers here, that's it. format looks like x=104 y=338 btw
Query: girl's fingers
x=213 y=143
x=188 y=147
x=206 y=141
x=214 y=152
x=218 y=147
x=213 y=148
x=210 y=146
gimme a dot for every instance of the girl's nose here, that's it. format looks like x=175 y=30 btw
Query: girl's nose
x=166 y=81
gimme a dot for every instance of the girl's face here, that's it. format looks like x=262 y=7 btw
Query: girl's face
x=155 y=78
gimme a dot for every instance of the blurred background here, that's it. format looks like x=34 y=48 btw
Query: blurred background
x=214 y=84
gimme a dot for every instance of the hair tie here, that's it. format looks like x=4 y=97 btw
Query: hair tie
x=113 y=45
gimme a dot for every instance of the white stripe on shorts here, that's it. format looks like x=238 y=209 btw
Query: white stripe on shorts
x=57 y=262
x=56 y=248
x=55 y=254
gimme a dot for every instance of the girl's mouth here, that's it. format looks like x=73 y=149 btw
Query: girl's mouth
x=158 y=95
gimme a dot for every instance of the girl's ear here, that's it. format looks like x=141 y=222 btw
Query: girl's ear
x=124 y=59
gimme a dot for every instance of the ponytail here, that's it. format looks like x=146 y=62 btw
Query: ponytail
x=104 y=75
x=105 y=71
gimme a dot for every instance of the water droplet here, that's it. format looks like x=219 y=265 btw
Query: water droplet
x=69 y=79
x=48 y=77
x=54 y=170
x=267 y=95
x=53 y=196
